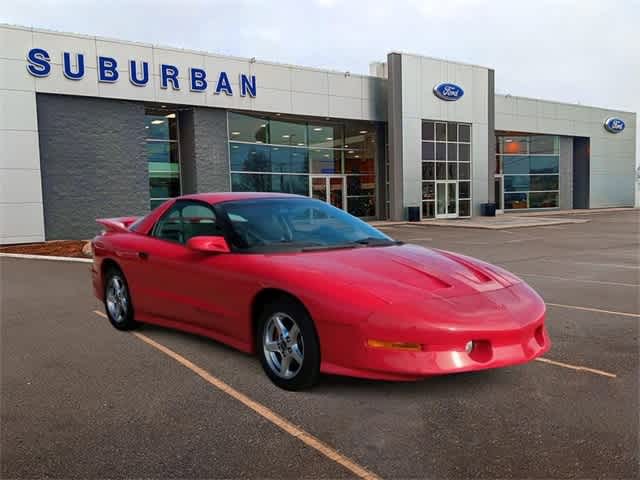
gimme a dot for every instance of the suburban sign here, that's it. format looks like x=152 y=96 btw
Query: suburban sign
x=448 y=91
x=108 y=71
x=614 y=125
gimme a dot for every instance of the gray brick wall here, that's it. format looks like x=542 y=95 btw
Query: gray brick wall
x=210 y=151
x=93 y=162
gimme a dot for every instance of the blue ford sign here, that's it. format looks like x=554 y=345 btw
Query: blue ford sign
x=109 y=69
x=448 y=91
x=614 y=125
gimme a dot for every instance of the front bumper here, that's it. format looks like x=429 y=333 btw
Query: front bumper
x=506 y=326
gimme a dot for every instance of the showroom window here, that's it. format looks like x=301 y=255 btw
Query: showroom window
x=529 y=167
x=330 y=160
x=446 y=169
x=163 y=155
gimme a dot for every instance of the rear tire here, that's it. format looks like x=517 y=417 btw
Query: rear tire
x=117 y=300
x=288 y=346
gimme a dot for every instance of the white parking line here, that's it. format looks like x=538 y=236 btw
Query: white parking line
x=600 y=282
x=266 y=413
x=576 y=367
x=595 y=264
x=46 y=257
x=596 y=310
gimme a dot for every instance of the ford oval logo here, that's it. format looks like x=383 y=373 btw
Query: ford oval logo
x=614 y=125
x=448 y=91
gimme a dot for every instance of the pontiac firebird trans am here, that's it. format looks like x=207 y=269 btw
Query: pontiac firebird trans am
x=312 y=289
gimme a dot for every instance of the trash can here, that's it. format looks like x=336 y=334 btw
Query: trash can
x=413 y=213
x=488 y=209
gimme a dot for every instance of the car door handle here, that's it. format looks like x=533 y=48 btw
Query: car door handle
x=143 y=255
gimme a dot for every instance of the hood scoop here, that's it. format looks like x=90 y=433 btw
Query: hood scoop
x=433 y=281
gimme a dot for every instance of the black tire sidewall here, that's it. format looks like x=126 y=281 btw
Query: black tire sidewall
x=128 y=323
x=310 y=371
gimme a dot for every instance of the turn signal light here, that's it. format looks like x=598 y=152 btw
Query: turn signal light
x=406 y=346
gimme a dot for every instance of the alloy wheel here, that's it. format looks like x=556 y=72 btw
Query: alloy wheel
x=283 y=345
x=117 y=301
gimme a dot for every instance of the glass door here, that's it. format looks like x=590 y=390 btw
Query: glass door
x=447 y=199
x=329 y=188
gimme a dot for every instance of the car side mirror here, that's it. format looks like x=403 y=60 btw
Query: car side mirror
x=208 y=244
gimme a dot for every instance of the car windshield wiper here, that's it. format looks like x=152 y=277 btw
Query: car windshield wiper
x=335 y=246
x=377 y=242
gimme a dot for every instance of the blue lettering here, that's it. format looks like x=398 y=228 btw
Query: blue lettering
x=67 y=67
x=169 y=73
x=198 y=82
x=247 y=85
x=39 y=65
x=133 y=73
x=107 y=69
x=224 y=84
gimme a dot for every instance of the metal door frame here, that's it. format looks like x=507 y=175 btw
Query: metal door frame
x=446 y=199
x=327 y=190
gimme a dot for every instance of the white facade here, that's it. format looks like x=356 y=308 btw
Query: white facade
x=612 y=156
x=419 y=76
x=294 y=90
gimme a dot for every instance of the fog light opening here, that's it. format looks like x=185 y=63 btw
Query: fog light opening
x=469 y=347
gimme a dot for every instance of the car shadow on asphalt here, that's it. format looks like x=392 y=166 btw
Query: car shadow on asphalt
x=451 y=383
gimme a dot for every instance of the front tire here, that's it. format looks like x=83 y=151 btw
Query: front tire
x=288 y=346
x=117 y=300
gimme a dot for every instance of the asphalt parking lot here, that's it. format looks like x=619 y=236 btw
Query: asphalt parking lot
x=80 y=399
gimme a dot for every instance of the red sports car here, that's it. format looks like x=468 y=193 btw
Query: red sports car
x=312 y=289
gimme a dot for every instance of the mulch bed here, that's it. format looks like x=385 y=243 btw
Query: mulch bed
x=58 y=248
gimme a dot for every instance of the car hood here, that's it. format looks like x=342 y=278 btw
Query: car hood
x=401 y=273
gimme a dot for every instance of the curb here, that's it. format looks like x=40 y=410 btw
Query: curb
x=46 y=257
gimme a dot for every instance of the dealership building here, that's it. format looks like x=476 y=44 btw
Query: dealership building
x=94 y=127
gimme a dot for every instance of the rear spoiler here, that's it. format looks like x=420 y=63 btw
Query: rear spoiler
x=117 y=224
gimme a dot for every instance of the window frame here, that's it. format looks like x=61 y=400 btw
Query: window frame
x=181 y=204
x=151 y=111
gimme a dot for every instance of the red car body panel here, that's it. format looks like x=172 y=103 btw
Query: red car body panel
x=403 y=293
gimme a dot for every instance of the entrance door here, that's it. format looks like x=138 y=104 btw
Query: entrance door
x=447 y=199
x=330 y=189
x=498 y=186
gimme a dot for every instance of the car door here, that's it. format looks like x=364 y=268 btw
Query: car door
x=183 y=285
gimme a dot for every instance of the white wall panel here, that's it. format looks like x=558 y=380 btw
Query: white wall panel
x=15 y=42
x=270 y=100
x=270 y=76
x=19 y=149
x=343 y=86
x=14 y=75
x=56 y=82
x=310 y=104
x=310 y=81
x=18 y=110
x=345 y=107
x=20 y=186
x=21 y=223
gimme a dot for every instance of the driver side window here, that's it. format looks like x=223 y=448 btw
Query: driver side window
x=185 y=220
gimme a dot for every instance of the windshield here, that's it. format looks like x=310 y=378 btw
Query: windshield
x=277 y=224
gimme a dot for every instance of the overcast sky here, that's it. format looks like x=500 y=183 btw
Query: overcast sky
x=583 y=51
